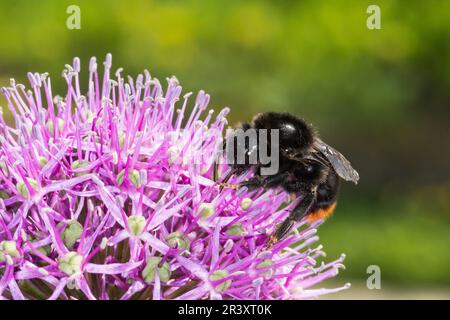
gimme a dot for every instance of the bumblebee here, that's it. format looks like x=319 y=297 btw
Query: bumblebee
x=308 y=168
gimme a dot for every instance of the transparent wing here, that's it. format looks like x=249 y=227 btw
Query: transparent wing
x=340 y=164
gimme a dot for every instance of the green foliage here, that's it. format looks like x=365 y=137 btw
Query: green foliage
x=409 y=248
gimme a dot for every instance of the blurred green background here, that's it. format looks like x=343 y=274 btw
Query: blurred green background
x=380 y=96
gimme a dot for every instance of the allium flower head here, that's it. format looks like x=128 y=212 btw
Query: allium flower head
x=109 y=195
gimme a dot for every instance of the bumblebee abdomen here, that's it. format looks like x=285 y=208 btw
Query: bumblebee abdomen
x=321 y=213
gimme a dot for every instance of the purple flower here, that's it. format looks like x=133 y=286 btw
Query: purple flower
x=109 y=195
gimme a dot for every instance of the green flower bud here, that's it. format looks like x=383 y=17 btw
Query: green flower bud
x=51 y=128
x=8 y=248
x=70 y=264
x=136 y=224
x=4 y=194
x=218 y=275
x=45 y=250
x=206 y=210
x=121 y=139
x=120 y=177
x=265 y=264
x=236 y=230
x=78 y=164
x=134 y=177
x=153 y=263
x=246 y=203
x=22 y=187
x=42 y=161
x=177 y=240
x=4 y=168
x=72 y=233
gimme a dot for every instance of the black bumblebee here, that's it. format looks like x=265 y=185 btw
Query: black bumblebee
x=308 y=167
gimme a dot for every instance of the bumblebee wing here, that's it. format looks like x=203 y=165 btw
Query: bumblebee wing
x=340 y=164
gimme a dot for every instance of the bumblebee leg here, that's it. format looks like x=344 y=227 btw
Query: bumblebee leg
x=216 y=172
x=299 y=212
x=224 y=183
x=228 y=185
x=252 y=183
x=258 y=181
x=275 y=180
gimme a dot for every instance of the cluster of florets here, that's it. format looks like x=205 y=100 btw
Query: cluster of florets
x=110 y=195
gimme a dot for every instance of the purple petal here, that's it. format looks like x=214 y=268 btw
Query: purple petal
x=112 y=268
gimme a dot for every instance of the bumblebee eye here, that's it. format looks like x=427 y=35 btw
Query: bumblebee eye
x=309 y=168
